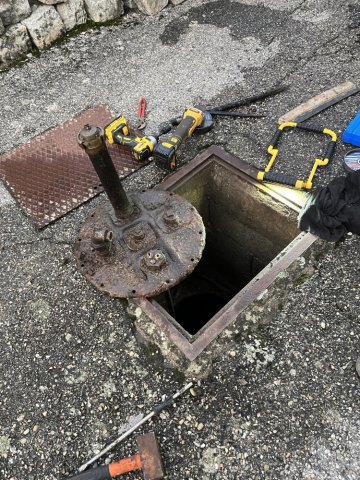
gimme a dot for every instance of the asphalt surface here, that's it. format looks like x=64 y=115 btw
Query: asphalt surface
x=281 y=403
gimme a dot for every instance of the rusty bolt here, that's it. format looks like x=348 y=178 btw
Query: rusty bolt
x=138 y=233
x=154 y=260
x=171 y=218
x=102 y=241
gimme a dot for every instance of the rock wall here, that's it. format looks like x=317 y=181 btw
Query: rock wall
x=29 y=24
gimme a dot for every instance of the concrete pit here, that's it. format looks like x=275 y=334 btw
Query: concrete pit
x=251 y=240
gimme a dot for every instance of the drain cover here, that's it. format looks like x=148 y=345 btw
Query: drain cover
x=51 y=175
x=141 y=256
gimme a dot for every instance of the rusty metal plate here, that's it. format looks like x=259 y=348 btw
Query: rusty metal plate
x=51 y=175
x=146 y=254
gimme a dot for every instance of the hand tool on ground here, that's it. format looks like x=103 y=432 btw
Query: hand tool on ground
x=223 y=110
x=319 y=103
x=117 y=131
x=252 y=99
x=165 y=151
x=194 y=120
x=155 y=411
x=147 y=459
x=141 y=114
x=289 y=180
x=235 y=114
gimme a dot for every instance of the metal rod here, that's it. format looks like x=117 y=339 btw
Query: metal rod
x=155 y=411
x=236 y=114
x=91 y=139
x=252 y=99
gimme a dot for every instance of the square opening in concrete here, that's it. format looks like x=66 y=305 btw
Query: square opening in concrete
x=251 y=237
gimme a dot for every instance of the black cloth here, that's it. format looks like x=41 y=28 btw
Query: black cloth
x=334 y=210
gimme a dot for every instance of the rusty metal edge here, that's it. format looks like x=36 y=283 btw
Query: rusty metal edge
x=228 y=314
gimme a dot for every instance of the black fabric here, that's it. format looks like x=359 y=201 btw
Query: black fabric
x=334 y=210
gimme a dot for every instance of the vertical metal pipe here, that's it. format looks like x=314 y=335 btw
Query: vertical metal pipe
x=91 y=139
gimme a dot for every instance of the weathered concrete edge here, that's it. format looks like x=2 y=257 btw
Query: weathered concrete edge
x=258 y=312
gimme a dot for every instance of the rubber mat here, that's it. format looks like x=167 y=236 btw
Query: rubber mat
x=51 y=175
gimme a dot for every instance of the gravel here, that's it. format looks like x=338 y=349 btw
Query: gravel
x=282 y=403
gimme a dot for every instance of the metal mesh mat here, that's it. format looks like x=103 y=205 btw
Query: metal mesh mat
x=51 y=175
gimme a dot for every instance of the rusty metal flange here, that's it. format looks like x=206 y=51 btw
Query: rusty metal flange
x=141 y=256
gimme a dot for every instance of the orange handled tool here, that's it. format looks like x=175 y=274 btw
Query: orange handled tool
x=148 y=460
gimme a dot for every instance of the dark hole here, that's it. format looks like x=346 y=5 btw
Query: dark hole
x=193 y=302
x=243 y=234
x=101 y=284
x=195 y=311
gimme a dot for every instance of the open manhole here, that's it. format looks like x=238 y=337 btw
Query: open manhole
x=251 y=240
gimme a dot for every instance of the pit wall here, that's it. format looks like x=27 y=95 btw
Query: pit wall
x=28 y=25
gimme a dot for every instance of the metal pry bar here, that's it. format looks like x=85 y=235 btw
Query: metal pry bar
x=155 y=411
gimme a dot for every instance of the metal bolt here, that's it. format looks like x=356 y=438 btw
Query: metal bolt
x=102 y=241
x=171 y=218
x=138 y=233
x=154 y=260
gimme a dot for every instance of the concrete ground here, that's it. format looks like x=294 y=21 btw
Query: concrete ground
x=72 y=373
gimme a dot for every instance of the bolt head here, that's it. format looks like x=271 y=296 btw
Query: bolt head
x=154 y=260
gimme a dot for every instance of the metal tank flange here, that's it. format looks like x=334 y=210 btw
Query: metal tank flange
x=141 y=243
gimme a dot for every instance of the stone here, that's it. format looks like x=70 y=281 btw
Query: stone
x=151 y=7
x=130 y=4
x=5 y=7
x=176 y=2
x=13 y=11
x=72 y=13
x=44 y=26
x=357 y=366
x=52 y=2
x=100 y=11
x=14 y=44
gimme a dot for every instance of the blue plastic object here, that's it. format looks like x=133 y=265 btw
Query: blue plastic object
x=352 y=132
